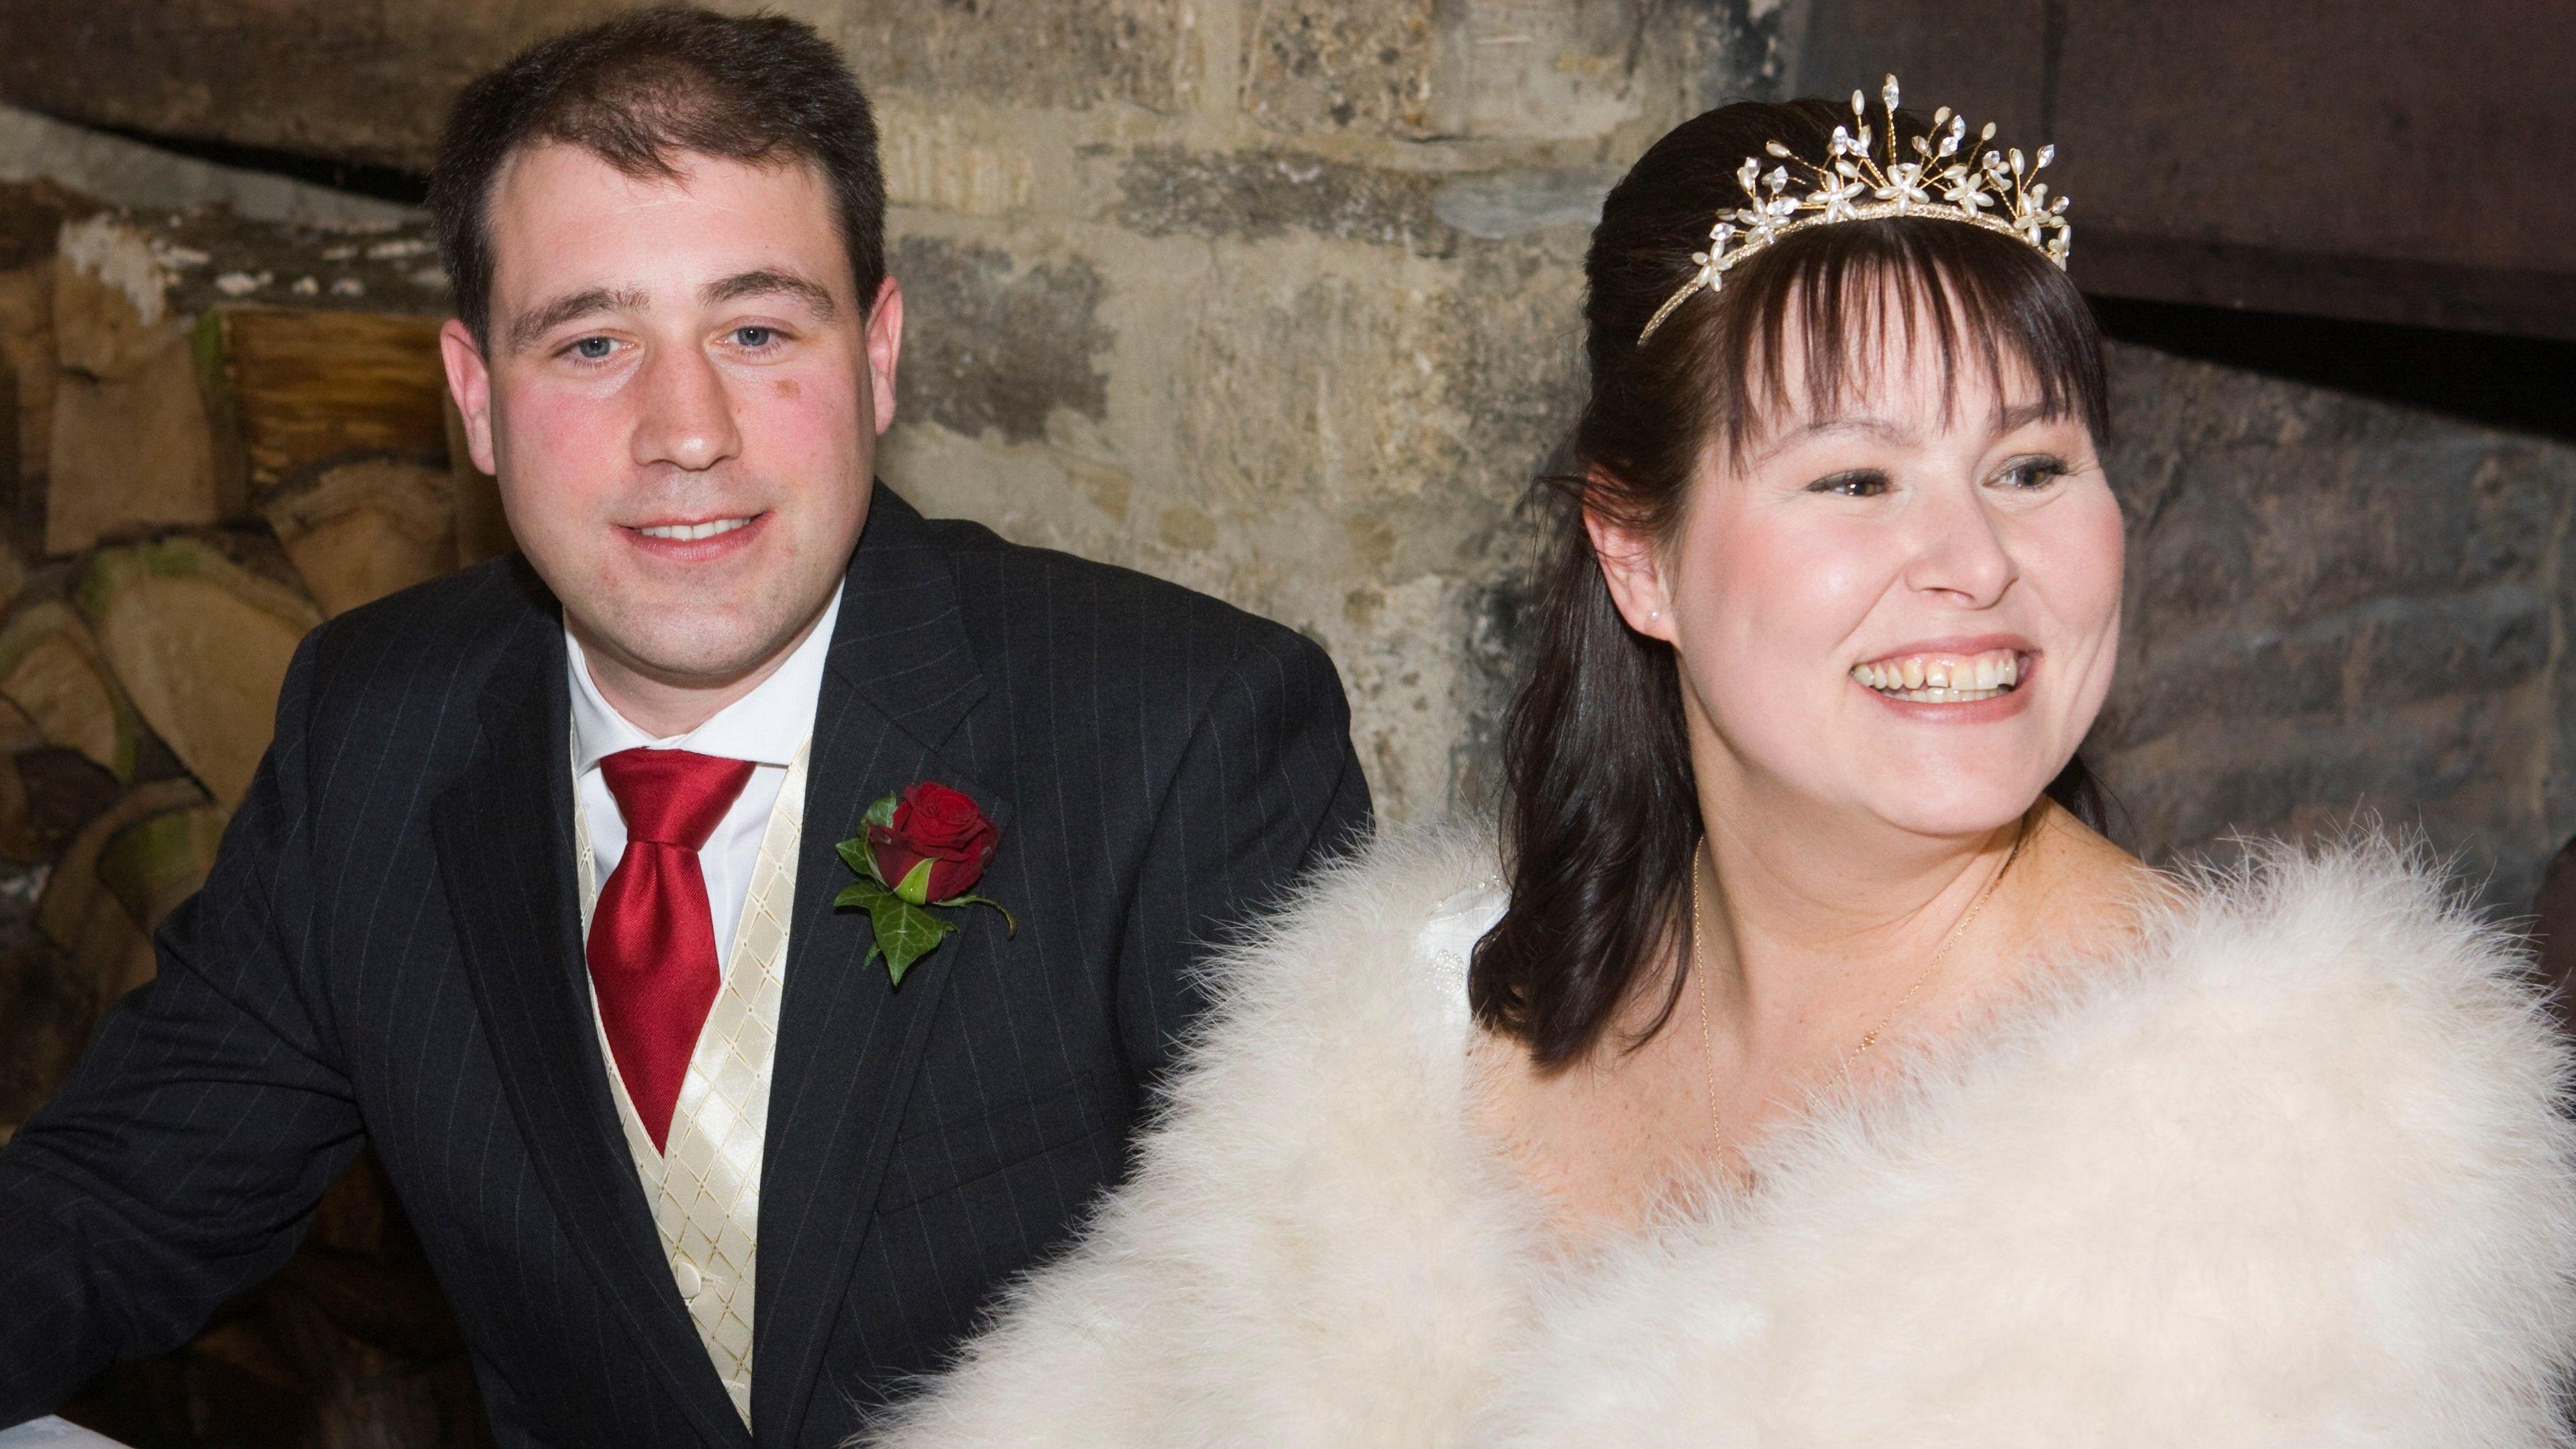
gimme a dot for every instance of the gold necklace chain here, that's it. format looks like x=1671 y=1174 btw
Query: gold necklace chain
x=1708 y=1057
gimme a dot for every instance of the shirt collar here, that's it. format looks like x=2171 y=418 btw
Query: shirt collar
x=765 y=726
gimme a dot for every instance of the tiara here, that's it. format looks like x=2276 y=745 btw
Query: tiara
x=2002 y=183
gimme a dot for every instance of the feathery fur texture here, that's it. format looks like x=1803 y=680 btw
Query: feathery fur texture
x=2291 y=1169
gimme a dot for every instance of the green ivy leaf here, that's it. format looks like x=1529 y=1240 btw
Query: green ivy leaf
x=905 y=933
x=861 y=860
x=862 y=893
x=902 y=930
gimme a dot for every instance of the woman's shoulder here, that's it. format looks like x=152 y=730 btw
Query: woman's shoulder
x=2293 y=1140
x=2348 y=985
x=1380 y=935
x=2358 y=938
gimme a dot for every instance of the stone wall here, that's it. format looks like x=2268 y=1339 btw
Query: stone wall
x=2339 y=608
x=1278 y=298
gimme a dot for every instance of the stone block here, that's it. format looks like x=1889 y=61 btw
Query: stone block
x=996 y=346
x=1041 y=54
x=1494 y=205
x=372 y=83
x=1528 y=71
x=365 y=83
x=1551 y=69
x=1331 y=65
x=2446 y=769
x=2376 y=656
x=1256 y=195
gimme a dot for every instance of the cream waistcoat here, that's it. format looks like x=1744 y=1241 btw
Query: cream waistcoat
x=705 y=1190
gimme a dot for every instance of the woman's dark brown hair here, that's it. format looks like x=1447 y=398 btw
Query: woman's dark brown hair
x=1599 y=816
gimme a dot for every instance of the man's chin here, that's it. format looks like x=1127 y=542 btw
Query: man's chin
x=712 y=655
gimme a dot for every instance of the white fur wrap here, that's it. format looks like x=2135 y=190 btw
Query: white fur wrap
x=2291 y=1170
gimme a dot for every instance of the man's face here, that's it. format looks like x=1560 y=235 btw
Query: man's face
x=681 y=398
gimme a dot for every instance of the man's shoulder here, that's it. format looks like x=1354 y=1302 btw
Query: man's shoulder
x=439 y=637
x=1021 y=602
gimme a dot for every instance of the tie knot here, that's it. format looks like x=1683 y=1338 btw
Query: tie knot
x=672 y=797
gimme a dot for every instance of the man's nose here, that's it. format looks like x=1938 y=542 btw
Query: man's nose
x=685 y=414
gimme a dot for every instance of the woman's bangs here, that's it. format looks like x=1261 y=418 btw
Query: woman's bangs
x=1814 y=326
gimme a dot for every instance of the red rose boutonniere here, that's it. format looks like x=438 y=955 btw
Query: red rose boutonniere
x=921 y=850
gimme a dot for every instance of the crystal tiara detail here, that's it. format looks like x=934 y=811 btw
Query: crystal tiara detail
x=1999 y=191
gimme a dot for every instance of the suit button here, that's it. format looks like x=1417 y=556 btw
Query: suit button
x=685 y=1273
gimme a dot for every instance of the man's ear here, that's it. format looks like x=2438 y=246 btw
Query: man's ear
x=885 y=350
x=1632 y=568
x=469 y=380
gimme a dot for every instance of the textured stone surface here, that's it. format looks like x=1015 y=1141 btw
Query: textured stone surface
x=1261 y=194
x=1062 y=53
x=1280 y=298
x=2337 y=609
x=370 y=83
x=363 y=82
x=1322 y=65
x=994 y=346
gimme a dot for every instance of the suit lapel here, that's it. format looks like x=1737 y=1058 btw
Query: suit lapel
x=901 y=678
x=504 y=841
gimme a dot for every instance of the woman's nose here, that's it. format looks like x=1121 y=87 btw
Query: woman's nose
x=1961 y=552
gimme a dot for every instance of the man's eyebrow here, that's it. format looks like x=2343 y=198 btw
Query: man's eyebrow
x=530 y=326
x=816 y=298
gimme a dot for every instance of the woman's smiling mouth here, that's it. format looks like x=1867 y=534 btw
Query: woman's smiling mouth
x=1945 y=678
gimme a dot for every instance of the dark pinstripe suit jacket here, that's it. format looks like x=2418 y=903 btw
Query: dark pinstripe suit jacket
x=389 y=948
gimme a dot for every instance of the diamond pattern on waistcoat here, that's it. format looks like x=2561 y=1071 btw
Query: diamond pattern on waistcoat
x=705 y=1190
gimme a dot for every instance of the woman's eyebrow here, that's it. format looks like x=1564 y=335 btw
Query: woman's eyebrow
x=1884 y=429
x=2022 y=415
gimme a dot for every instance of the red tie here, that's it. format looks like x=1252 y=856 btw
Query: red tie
x=652 y=937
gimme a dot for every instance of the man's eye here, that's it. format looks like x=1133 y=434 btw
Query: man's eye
x=1863 y=484
x=755 y=338
x=2035 y=473
x=593 y=349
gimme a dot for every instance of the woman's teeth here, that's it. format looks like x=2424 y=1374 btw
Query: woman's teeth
x=1943 y=678
x=686 y=531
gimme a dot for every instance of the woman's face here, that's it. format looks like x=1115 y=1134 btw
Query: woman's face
x=1894 y=609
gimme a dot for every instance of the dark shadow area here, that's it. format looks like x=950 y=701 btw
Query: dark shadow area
x=383 y=183
x=2521 y=383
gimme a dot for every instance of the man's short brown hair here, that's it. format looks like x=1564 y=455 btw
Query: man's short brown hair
x=643 y=89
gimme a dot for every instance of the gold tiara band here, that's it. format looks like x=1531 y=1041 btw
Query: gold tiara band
x=2003 y=181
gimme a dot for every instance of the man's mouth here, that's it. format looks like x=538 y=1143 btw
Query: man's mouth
x=1944 y=678
x=687 y=532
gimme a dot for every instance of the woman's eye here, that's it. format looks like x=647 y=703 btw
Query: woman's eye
x=2032 y=474
x=1852 y=485
x=754 y=338
x=593 y=349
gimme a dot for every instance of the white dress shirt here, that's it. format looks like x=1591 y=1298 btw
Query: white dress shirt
x=766 y=727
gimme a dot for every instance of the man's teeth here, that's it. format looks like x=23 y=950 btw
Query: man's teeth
x=1943 y=678
x=708 y=529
